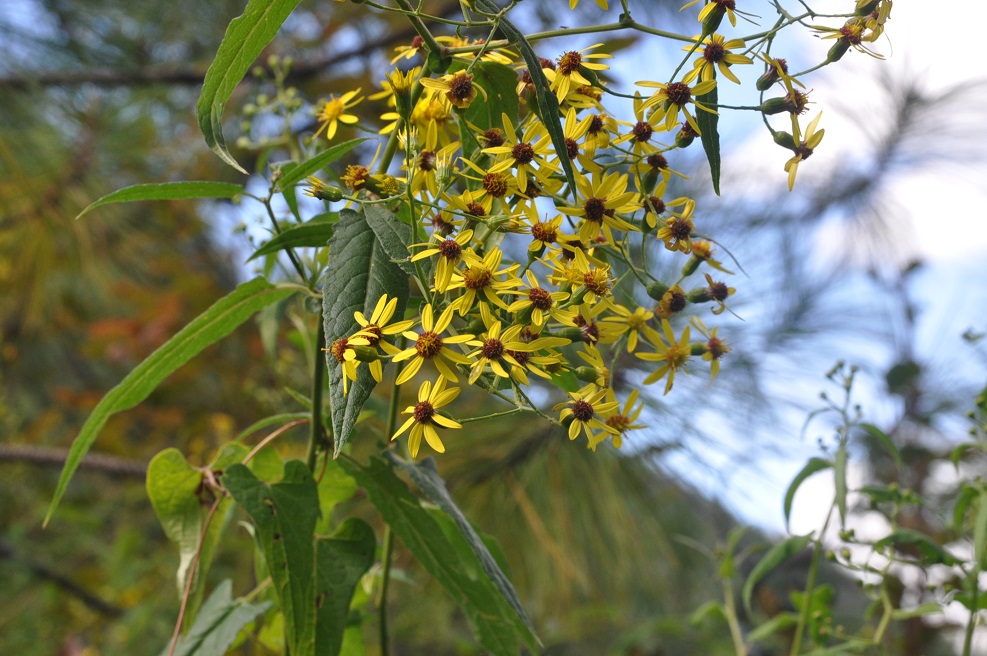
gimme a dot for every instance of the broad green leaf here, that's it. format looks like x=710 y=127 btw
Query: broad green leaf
x=360 y=271
x=393 y=235
x=885 y=441
x=814 y=465
x=779 y=622
x=908 y=541
x=317 y=163
x=775 y=556
x=335 y=487
x=209 y=327
x=173 y=488
x=839 y=477
x=341 y=561
x=566 y=381
x=310 y=234
x=426 y=477
x=709 y=135
x=494 y=622
x=218 y=624
x=545 y=100
x=285 y=514
x=167 y=191
x=245 y=38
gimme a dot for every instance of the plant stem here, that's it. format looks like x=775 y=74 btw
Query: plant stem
x=316 y=435
x=385 y=557
x=731 y=607
x=810 y=584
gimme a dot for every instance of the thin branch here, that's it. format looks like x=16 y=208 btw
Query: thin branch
x=54 y=457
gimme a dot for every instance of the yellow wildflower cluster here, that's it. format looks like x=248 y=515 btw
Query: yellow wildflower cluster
x=537 y=260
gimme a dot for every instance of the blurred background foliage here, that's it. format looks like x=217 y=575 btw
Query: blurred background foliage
x=97 y=95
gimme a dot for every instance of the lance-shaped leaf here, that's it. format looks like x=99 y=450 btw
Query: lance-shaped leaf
x=313 y=233
x=296 y=173
x=494 y=622
x=775 y=556
x=341 y=561
x=167 y=191
x=360 y=271
x=426 y=477
x=917 y=544
x=285 y=514
x=218 y=624
x=209 y=327
x=246 y=36
x=710 y=135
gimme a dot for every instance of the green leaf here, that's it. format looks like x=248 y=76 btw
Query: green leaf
x=839 y=476
x=245 y=38
x=317 y=163
x=310 y=234
x=167 y=191
x=173 y=488
x=218 y=623
x=426 y=477
x=335 y=487
x=360 y=271
x=779 y=622
x=341 y=561
x=285 y=514
x=814 y=465
x=566 y=381
x=709 y=135
x=775 y=556
x=494 y=623
x=393 y=235
x=885 y=441
x=980 y=531
x=212 y=325
x=929 y=552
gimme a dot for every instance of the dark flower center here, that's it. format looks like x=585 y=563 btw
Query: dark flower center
x=642 y=131
x=680 y=228
x=428 y=345
x=424 y=411
x=678 y=93
x=375 y=333
x=595 y=208
x=714 y=52
x=477 y=278
x=582 y=410
x=493 y=137
x=544 y=232
x=540 y=298
x=492 y=349
x=657 y=203
x=522 y=357
x=595 y=124
x=426 y=160
x=450 y=249
x=570 y=62
x=338 y=349
x=461 y=87
x=572 y=148
x=475 y=209
x=657 y=161
x=676 y=301
x=719 y=291
x=495 y=184
x=523 y=153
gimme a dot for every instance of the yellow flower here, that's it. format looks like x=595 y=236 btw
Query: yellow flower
x=450 y=252
x=622 y=420
x=333 y=111
x=602 y=4
x=805 y=147
x=582 y=408
x=484 y=277
x=526 y=155
x=714 y=348
x=377 y=326
x=499 y=349
x=641 y=132
x=678 y=229
x=343 y=349
x=425 y=417
x=670 y=99
x=674 y=355
x=430 y=345
x=568 y=70
x=540 y=302
x=458 y=88
x=716 y=53
x=632 y=324
x=605 y=197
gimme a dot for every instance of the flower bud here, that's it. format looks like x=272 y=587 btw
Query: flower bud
x=773 y=106
x=839 y=49
x=656 y=290
x=785 y=140
x=713 y=19
x=365 y=353
x=699 y=295
x=691 y=266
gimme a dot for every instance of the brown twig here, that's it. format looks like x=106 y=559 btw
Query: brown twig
x=55 y=457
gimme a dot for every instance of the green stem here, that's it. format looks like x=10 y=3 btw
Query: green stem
x=731 y=613
x=291 y=253
x=385 y=574
x=491 y=416
x=317 y=434
x=810 y=584
x=972 y=622
x=430 y=43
